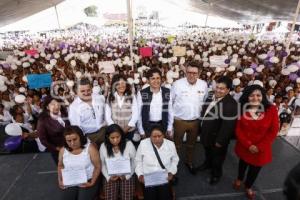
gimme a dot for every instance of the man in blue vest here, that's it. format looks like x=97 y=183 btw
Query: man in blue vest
x=155 y=106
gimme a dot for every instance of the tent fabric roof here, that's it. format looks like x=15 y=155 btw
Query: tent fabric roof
x=247 y=10
x=14 y=10
x=243 y=11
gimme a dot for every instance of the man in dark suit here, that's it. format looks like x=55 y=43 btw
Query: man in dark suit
x=217 y=124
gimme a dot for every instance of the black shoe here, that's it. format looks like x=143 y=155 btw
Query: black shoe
x=214 y=180
x=203 y=167
x=191 y=168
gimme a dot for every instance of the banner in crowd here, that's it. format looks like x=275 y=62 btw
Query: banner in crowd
x=269 y=37
x=179 y=51
x=171 y=38
x=36 y=81
x=107 y=67
x=146 y=51
x=218 y=61
x=142 y=41
x=31 y=52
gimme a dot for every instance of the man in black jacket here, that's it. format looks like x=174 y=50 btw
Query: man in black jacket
x=217 y=124
x=155 y=105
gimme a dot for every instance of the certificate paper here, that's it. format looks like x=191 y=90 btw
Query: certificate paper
x=118 y=166
x=74 y=177
x=156 y=178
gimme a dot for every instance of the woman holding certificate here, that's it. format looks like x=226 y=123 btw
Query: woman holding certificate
x=156 y=164
x=117 y=158
x=78 y=166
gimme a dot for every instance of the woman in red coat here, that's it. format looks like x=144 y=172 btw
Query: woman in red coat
x=256 y=129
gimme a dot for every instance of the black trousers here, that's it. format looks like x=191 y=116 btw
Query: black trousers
x=214 y=158
x=252 y=173
x=161 y=192
x=78 y=193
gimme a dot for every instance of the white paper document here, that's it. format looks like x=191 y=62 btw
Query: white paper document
x=118 y=166
x=156 y=178
x=74 y=177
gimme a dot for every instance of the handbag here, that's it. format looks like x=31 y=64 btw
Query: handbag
x=174 y=179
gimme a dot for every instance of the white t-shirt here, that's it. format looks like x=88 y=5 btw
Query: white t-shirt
x=80 y=161
x=129 y=153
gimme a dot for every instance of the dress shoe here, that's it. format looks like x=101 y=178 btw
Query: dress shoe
x=203 y=167
x=191 y=168
x=237 y=184
x=250 y=193
x=214 y=180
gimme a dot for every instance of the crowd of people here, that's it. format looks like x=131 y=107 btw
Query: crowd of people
x=138 y=115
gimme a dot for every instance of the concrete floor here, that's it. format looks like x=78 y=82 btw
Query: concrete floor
x=33 y=177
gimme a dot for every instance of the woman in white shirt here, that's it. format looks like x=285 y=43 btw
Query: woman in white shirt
x=116 y=148
x=5 y=117
x=121 y=106
x=81 y=157
x=270 y=95
x=147 y=164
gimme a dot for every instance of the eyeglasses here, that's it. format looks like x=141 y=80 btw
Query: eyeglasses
x=192 y=73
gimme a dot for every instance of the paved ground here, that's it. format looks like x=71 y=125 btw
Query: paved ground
x=33 y=177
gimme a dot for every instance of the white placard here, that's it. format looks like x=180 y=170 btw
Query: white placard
x=74 y=177
x=218 y=61
x=118 y=166
x=179 y=51
x=156 y=178
x=269 y=36
x=107 y=67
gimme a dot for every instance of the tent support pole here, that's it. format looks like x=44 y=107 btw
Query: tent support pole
x=130 y=29
x=288 y=42
x=57 y=17
x=205 y=24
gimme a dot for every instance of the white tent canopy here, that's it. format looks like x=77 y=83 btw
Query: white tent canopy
x=221 y=13
x=70 y=12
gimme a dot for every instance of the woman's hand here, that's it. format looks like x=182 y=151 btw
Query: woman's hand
x=34 y=134
x=170 y=176
x=253 y=149
x=113 y=178
x=169 y=135
x=61 y=184
x=128 y=129
x=87 y=185
x=141 y=179
x=58 y=148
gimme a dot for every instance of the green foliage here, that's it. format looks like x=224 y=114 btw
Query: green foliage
x=91 y=11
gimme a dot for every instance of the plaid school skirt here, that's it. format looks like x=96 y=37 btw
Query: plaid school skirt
x=120 y=188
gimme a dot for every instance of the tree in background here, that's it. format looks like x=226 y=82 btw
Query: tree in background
x=91 y=11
